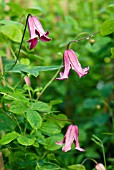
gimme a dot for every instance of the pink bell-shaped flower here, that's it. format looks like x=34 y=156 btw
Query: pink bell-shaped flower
x=36 y=30
x=70 y=137
x=70 y=60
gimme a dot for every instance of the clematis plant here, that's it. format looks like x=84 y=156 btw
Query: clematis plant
x=27 y=80
x=70 y=137
x=100 y=166
x=70 y=60
x=36 y=30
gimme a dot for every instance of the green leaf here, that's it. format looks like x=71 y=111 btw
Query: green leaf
x=19 y=108
x=40 y=106
x=107 y=27
x=26 y=140
x=23 y=158
x=111 y=8
x=77 y=167
x=36 y=144
x=19 y=68
x=50 y=128
x=5 y=89
x=16 y=8
x=34 y=119
x=17 y=97
x=39 y=137
x=11 y=29
x=112 y=52
x=51 y=142
x=9 y=137
x=49 y=166
x=35 y=11
x=2 y=53
x=59 y=120
x=92 y=48
x=36 y=69
x=54 y=102
x=51 y=156
x=6 y=122
x=108 y=133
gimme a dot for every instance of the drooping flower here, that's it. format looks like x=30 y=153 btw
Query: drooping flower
x=36 y=30
x=70 y=60
x=27 y=80
x=100 y=166
x=70 y=137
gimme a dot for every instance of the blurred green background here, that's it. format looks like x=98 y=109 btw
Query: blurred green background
x=89 y=100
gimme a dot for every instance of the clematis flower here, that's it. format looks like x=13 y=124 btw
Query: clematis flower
x=70 y=60
x=27 y=80
x=100 y=166
x=70 y=137
x=36 y=30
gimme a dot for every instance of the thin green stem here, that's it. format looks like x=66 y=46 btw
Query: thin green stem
x=17 y=123
x=67 y=120
x=25 y=124
x=89 y=159
x=17 y=83
x=53 y=78
x=30 y=95
x=12 y=52
x=9 y=95
x=101 y=145
x=104 y=157
x=21 y=42
x=83 y=38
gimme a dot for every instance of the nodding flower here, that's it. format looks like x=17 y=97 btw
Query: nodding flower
x=70 y=137
x=70 y=60
x=100 y=166
x=36 y=30
x=27 y=80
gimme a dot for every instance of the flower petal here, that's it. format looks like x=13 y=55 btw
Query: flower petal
x=100 y=166
x=65 y=73
x=66 y=148
x=76 y=139
x=59 y=143
x=38 y=26
x=76 y=66
x=31 y=27
x=80 y=149
x=36 y=30
x=69 y=139
x=45 y=38
x=33 y=42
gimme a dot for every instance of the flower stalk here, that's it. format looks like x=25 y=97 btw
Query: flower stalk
x=83 y=38
x=20 y=43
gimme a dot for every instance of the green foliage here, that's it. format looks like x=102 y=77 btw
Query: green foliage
x=33 y=117
x=76 y=167
x=21 y=68
x=111 y=8
x=51 y=142
x=9 y=137
x=6 y=122
x=10 y=29
x=107 y=27
x=26 y=140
